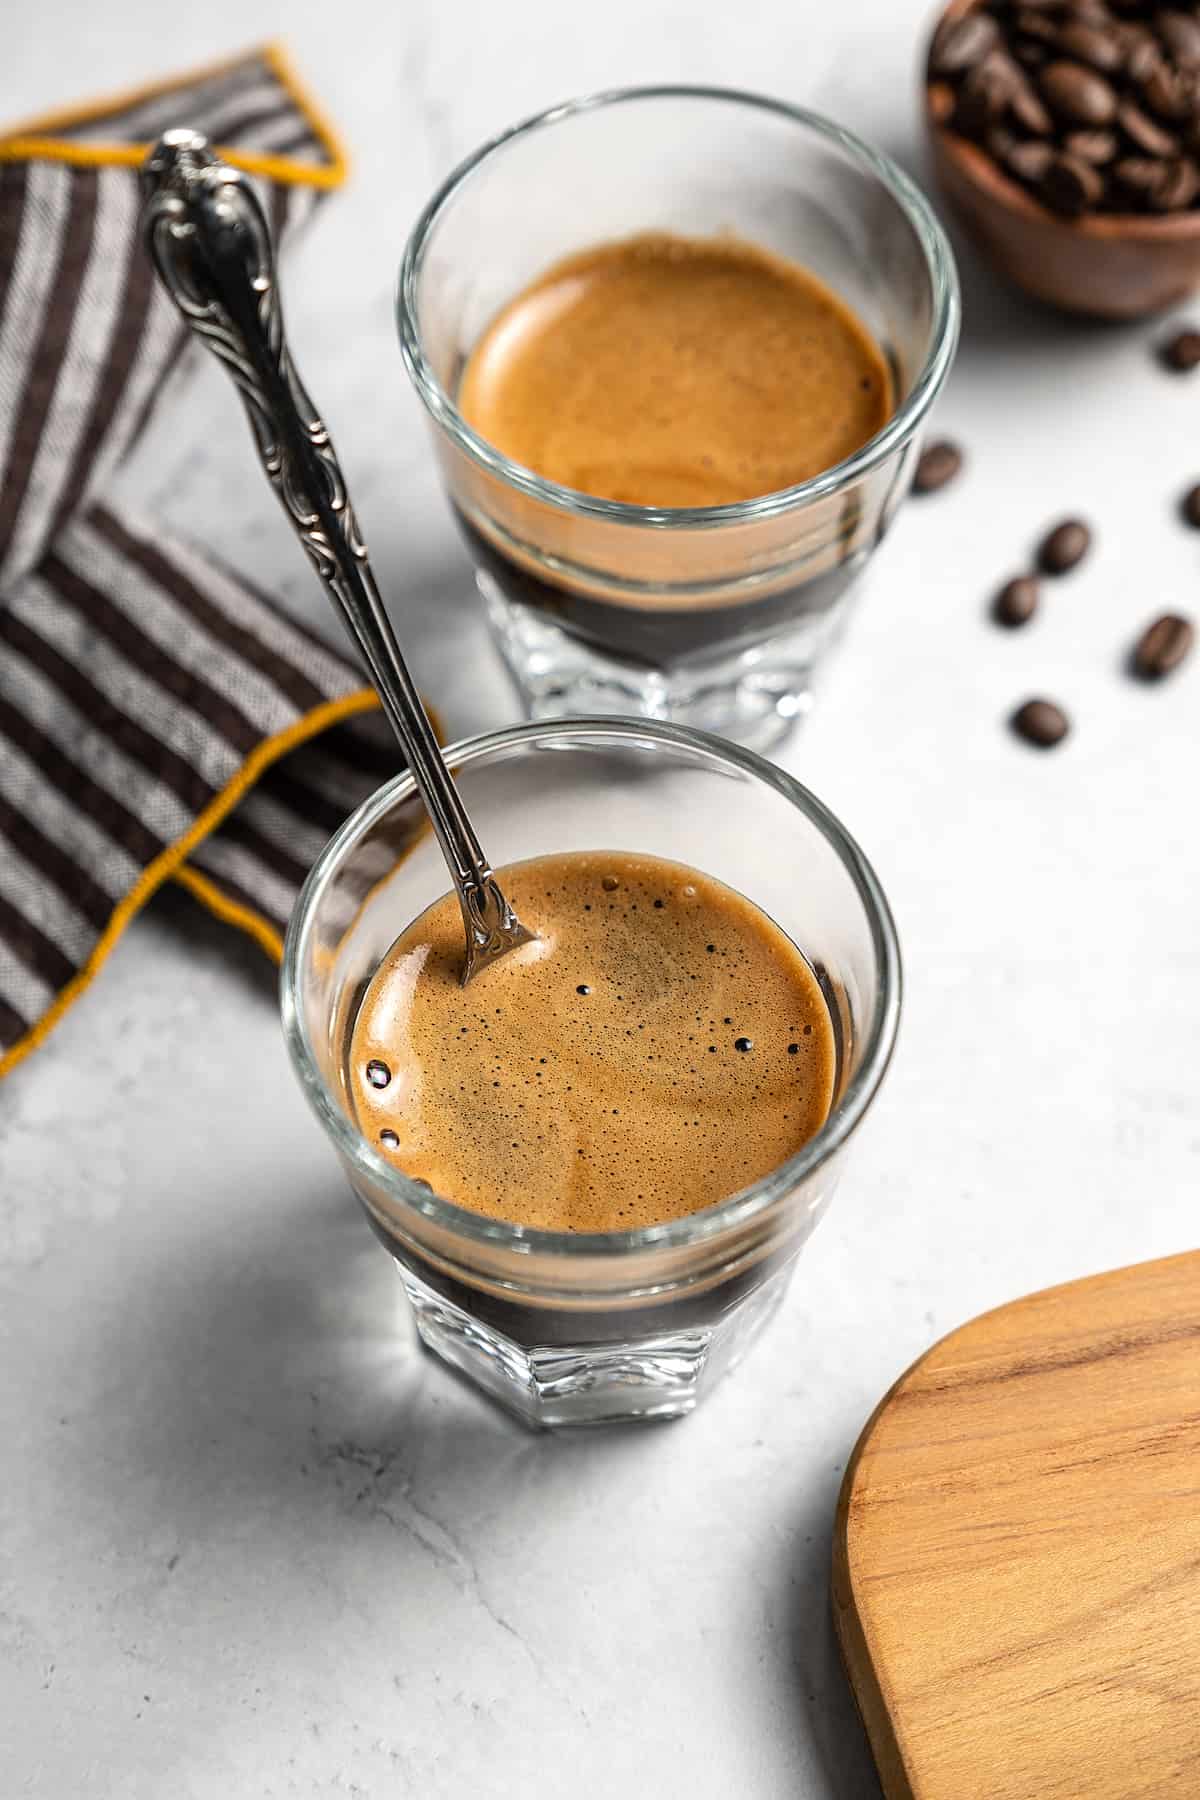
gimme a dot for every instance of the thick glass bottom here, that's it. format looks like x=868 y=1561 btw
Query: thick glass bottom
x=753 y=695
x=659 y=1377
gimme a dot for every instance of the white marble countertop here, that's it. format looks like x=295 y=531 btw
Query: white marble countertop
x=252 y=1542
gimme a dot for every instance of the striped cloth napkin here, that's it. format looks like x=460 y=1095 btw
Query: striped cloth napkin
x=157 y=713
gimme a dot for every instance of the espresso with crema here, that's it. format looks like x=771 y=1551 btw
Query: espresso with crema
x=662 y=1045
x=672 y=372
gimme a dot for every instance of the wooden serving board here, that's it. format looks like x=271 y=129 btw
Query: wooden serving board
x=1016 y=1579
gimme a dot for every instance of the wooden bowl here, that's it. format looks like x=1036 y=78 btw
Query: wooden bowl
x=1107 y=265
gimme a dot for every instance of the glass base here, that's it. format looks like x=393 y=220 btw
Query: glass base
x=754 y=696
x=661 y=1377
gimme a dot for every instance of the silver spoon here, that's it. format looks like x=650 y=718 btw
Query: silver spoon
x=211 y=249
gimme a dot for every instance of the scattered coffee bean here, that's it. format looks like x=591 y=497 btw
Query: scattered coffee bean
x=1162 y=646
x=1063 y=547
x=1077 y=94
x=1016 y=602
x=1189 y=506
x=1182 y=352
x=936 y=466
x=1041 y=723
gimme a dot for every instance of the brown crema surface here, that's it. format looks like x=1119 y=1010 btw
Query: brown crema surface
x=670 y=371
x=661 y=1045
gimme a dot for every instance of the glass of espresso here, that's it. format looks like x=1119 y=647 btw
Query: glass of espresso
x=677 y=346
x=596 y=1164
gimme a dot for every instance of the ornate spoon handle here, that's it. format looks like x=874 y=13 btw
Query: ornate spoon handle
x=208 y=240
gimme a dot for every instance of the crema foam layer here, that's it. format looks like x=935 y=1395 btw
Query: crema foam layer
x=661 y=1045
x=670 y=371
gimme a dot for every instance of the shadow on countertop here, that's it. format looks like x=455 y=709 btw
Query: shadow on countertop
x=819 y=1682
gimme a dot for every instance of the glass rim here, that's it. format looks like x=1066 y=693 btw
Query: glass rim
x=694 y=1228
x=943 y=338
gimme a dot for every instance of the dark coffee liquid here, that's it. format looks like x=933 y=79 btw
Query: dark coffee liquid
x=675 y=632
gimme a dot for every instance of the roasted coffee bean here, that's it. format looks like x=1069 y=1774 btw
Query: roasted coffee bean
x=1063 y=547
x=1028 y=109
x=999 y=142
x=1178 y=187
x=1142 y=58
x=1189 y=506
x=1016 y=602
x=936 y=466
x=1037 y=25
x=1097 y=147
x=1182 y=352
x=1090 y=44
x=1077 y=94
x=1071 y=186
x=1093 y=104
x=1030 y=159
x=1041 y=723
x=1144 y=133
x=1181 y=36
x=959 y=44
x=1162 y=646
x=1137 y=178
x=1167 y=94
x=983 y=97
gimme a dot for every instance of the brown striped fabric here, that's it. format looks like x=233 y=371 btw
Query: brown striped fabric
x=158 y=715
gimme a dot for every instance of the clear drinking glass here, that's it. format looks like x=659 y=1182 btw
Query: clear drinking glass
x=710 y=616
x=568 y=1328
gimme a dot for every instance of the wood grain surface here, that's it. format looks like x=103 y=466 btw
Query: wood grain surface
x=1016 y=1580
